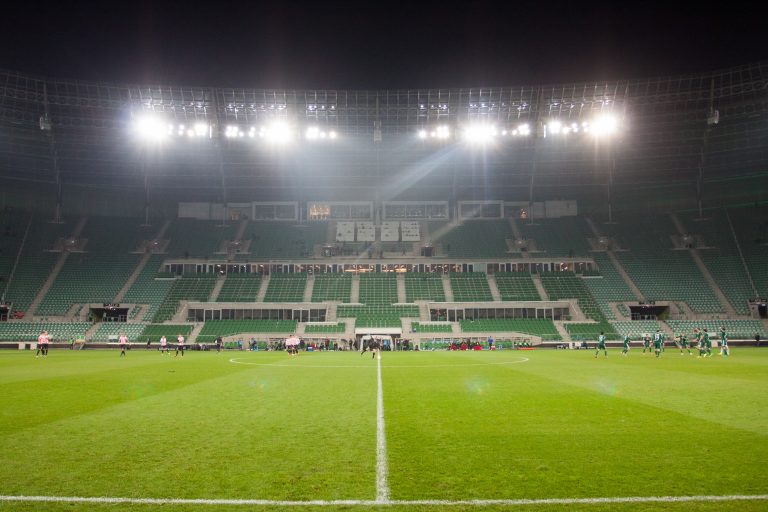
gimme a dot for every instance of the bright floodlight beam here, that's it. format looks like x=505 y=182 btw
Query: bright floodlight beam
x=604 y=126
x=151 y=128
x=480 y=133
x=278 y=133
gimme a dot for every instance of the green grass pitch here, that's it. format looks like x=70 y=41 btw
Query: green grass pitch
x=459 y=426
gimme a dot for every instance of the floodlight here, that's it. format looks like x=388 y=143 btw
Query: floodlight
x=313 y=132
x=442 y=132
x=554 y=127
x=523 y=130
x=332 y=134
x=604 y=126
x=422 y=134
x=480 y=133
x=278 y=133
x=202 y=130
x=150 y=128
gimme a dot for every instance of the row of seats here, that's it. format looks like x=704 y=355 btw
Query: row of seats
x=147 y=289
x=240 y=288
x=214 y=328
x=286 y=288
x=734 y=328
x=87 y=277
x=378 y=288
x=333 y=287
x=418 y=327
x=424 y=286
x=378 y=316
x=591 y=331
x=325 y=328
x=470 y=287
x=185 y=288
x=565 y=285
x=541 y=327
x=610 y=287
x=516 y=286
x=28 y=331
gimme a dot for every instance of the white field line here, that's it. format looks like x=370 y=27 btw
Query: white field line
x=376 y=503
x=238 y=360
x=382 y=469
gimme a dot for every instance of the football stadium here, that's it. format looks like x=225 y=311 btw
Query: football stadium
x=539 y=298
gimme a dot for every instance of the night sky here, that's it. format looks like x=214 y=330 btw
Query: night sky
x=376 y=45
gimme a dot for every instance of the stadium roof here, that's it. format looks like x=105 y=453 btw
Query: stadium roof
x=667 y=134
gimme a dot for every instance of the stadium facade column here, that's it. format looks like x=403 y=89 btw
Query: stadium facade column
x=47 y=126
x=217 y=142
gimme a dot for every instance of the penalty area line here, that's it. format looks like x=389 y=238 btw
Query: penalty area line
x=387 y=502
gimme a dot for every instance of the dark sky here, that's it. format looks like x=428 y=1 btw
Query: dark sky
x=367 y=44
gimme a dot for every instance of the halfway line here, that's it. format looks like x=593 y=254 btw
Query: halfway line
x=382 y=470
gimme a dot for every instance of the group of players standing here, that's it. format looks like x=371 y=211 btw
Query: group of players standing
x=702 y=341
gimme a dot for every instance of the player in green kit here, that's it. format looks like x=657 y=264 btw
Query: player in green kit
x=658 y=341
x=705 y=345
x=601 y=345
x=646 y=343
x=625 y=350
x=724 y=343
x=683 y=343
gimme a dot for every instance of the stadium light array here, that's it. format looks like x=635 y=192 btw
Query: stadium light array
x=151 y=129
x=315 y=133
x=480 y=133
x=441 y=132
x=603 y=126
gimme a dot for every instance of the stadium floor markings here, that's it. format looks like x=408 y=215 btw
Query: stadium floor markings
x=386 y=502
x=237 y=360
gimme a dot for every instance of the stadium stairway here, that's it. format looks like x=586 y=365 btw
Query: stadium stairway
x=213 y=297
x=142 y=263
x=515 y=228
x=667 y=330
x=617 y=313
x=494 y=287
x=401 y=295
x=730 y=311
x=620 y=269
x=192 y=338
x=132 y=278
x=423 y=309
x=181 y=314
x=727 y=306
x=241 y=229
x=48 y=282
x=91 y=331
x=540 y=287
x=616 y=263
x=562 y=331
x=354 y=292
x=56 y=269
x=309 y=288
x=263 y=288
x=447 y=288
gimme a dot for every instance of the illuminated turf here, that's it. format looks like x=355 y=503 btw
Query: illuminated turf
x=460 y=426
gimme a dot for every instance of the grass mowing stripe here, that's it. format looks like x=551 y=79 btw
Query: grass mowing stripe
x=664 y=384
x=376 y=503
x=382 y=470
